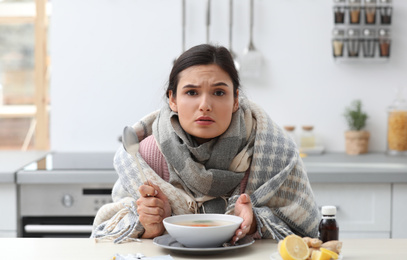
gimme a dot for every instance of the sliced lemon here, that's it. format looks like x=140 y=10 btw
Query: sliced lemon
x=294 y=248
x=331 y=254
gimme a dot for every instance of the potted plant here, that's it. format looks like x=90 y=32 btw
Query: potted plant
x=357 y=139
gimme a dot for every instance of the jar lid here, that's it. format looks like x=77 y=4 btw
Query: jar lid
x=354 y=1
x=289 y=128
x=370 y=1
x=339 y=1
x=353 y=33
x=369 y=32
x=385 y=1
x=399 y=103
x=307 y=127
x=328 y=210
x=384 y=32
x=338 y=32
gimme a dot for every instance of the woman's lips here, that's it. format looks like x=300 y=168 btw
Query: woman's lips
x=204 y=120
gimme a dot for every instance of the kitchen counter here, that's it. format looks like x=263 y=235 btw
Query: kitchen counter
x=13 y=161
x=325 y=168
x=86 y=248
x=364 y=168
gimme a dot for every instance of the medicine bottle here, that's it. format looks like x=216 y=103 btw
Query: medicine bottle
x=328 y=227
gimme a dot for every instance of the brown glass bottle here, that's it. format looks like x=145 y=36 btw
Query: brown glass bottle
x=328 y=227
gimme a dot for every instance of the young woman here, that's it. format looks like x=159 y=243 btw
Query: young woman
x=209 y=150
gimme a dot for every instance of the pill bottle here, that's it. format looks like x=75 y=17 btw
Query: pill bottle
x=328 y=227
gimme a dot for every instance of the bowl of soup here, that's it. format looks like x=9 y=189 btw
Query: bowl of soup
x=202 y=230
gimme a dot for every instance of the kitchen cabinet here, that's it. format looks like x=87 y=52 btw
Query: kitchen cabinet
x=363 y=210
x=8 y=203
x=399 y=222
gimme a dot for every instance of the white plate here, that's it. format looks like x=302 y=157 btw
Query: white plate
x=276 y=256
x=168 y=242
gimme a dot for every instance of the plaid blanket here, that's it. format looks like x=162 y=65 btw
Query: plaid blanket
x=283 y=201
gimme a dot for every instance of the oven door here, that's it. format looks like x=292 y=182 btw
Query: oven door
x=56 y=226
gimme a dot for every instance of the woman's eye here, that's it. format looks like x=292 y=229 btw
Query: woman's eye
x=219 y=93
x=191 y=92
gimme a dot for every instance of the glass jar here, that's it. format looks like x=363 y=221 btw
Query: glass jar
x=384 y=42
x=369 y=43
x=385 y=11
x=370 y=11
x=339 y=11
x=353 y=42
x=307 y=139
x=290 y=129
x=397 y=126
x=354 y=11
x=338 y=36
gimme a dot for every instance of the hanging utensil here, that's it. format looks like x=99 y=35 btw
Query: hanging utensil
x=131 y=145
x=251 y=61
x=234 y=56
x=208 y=19
x=183 y=14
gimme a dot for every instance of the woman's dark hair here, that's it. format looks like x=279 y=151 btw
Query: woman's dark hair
x=204 y=54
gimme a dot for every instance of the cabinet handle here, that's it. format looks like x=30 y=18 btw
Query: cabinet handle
x=58 y=228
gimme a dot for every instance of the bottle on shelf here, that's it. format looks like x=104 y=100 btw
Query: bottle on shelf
x=328 y=227
x=397 y=126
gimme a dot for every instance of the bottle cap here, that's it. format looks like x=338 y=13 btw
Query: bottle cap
x=328 y=210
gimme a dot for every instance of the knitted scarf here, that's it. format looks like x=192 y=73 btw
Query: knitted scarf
x=278 y=186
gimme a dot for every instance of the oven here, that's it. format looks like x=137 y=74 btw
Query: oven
x=60 y=195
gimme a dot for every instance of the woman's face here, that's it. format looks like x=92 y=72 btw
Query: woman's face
x=204 y=101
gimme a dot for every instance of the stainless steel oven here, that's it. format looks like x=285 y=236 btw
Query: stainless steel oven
x=60 y=195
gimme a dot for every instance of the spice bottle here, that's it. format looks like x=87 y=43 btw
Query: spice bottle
x=397 y=126
x=385 y=11
x=328 y=227
x=353 y=43
x=338 y=42
x=290 y=129
x=369 y=43
x=384 y=42
x=339 y=11
x=307 y=139
x=354 y=11
x=370 y=11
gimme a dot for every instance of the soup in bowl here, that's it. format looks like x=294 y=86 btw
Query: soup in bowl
x=202 y=230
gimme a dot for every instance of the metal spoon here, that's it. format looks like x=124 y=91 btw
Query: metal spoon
x=131 y=145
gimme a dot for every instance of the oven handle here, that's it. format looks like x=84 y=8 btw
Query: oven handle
x=58 y=228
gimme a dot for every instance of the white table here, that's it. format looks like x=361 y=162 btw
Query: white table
x=86 y=248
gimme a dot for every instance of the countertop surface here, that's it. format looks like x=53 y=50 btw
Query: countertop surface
x=324 y=168
x=13 y=161
x=86 y=248
x=366 y=168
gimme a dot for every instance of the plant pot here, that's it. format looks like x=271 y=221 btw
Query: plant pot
x=357 y=142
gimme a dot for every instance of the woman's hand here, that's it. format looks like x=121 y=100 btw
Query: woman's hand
x=152 y=208
x=243 y=209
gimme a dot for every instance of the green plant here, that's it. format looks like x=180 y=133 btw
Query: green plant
x=355 y=117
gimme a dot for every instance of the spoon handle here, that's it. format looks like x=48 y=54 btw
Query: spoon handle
x=143 y=176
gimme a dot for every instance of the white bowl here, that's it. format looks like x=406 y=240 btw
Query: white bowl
x=202 y=237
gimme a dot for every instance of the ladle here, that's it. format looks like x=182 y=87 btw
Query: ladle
x=251 y=61
x=131 y=145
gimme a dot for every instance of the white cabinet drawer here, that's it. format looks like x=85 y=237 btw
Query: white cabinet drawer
x=361 y=207
x=399 y=223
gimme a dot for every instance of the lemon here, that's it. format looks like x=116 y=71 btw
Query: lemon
x=324 y=254
x=294 y=248
x=331 y=254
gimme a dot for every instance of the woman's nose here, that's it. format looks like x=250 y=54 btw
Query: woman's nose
x=205 y=104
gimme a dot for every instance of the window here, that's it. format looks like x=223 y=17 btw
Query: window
x=23 y=74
